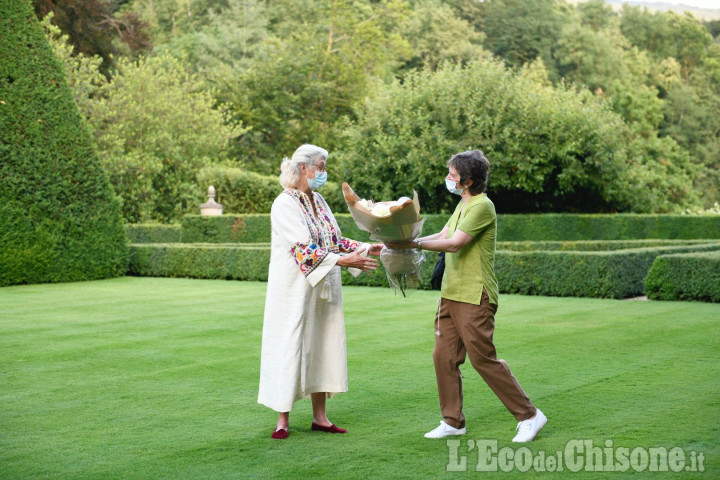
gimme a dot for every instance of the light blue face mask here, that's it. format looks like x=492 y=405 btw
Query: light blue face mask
x=318 y=181
x=452 y=187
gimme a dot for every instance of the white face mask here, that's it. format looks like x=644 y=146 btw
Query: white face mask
x=452 y=187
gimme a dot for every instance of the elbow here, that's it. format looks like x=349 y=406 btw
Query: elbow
x=453 y=248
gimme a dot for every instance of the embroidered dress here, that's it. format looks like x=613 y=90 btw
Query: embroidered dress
x=303 y=344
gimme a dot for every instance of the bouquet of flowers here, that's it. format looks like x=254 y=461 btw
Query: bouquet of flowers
x=393 y=221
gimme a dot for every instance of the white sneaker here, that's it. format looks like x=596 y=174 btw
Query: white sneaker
x=445 y=430
x=528 y=429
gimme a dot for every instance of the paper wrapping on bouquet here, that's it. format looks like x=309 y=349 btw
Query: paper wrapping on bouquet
x=393 y=221
x=385 y=221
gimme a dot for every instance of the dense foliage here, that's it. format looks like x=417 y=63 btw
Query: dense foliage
x=59 y=219
x=295 y=71
x=550 y=149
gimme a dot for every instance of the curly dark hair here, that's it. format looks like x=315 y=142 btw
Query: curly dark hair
x=472 y=165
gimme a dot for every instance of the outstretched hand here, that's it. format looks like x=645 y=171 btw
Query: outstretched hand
x=357 y=260
x=375 y=249
x=407 y=244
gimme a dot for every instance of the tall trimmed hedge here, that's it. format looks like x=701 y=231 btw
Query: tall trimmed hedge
x=558 y=226
x=545 y=227
x=59 y=219
x=153 y=233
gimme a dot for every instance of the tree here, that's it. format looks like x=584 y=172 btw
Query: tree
x=168 y=19
x=649 y=31
x=156 y=126
x=312 y=75
x=691 y=41
x=83 y=73
x=596 y=14
x=436 y=34
x=232 y=37
x=519 y=31
x=667 y=34
x=551 y=148
x=692 y=119
x=93 y=26
x=59 y=219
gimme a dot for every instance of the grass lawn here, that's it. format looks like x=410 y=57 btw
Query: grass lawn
x=157 y=378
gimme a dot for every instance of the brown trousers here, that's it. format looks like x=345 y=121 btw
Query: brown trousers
x=468 y=329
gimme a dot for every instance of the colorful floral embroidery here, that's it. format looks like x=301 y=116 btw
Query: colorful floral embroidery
x=348 y=246
x=324 y=235
x=308 y=257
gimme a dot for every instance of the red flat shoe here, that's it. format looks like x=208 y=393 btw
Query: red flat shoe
x=280 y=434
x=330 y=429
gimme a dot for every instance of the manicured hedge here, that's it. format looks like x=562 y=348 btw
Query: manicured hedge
x=153 y=233
x=229 y=262
x=601 y=274
x=606 y=227
x=226 y=229
x=247 y=228
x=593 y=245
x=546 y=227
x=59 y=218
x=690 y=276
x=611 y=274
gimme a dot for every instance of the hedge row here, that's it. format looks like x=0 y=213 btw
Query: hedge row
x=160 y=233
x=153 y=233
x=690 y=276
x=252 y=228
x=229 y=262
x=593 y=245
x=608 y=274
x=546 y=227
x=601 y=274
x=607 y=227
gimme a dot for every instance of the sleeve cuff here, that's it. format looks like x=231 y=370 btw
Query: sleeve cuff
x=323 y=269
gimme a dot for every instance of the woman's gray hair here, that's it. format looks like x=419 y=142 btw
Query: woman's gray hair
x=290 y=168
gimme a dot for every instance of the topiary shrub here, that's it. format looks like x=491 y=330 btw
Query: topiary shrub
x=59 y=219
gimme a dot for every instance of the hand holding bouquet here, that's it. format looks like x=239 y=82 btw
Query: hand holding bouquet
x=394 y=222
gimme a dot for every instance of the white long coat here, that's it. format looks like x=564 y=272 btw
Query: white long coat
x=303 y=341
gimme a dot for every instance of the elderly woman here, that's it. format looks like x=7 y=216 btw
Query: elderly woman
x=468 y=302
x=303 y=344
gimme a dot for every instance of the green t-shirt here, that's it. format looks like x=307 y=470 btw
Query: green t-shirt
x=471 y=268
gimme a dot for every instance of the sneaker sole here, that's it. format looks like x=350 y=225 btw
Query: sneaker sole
x=461 y=432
